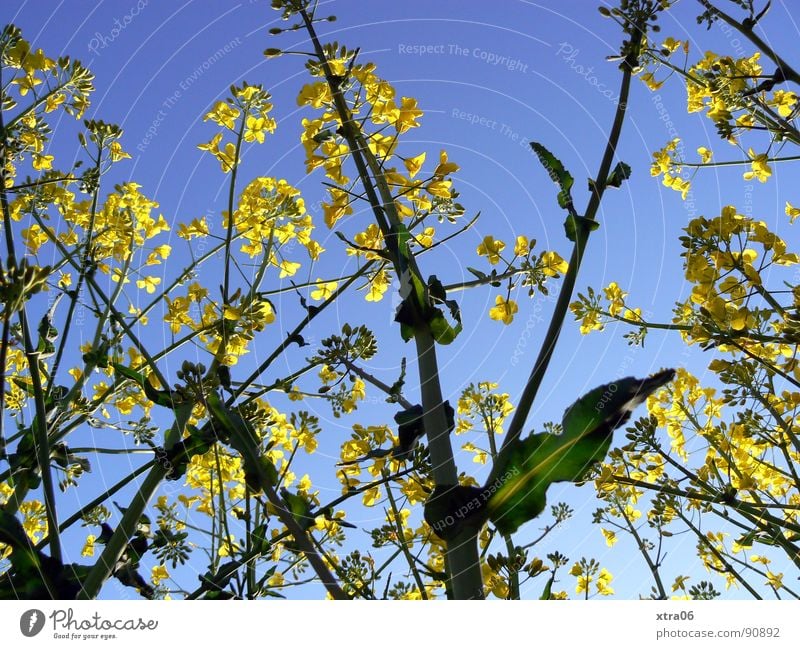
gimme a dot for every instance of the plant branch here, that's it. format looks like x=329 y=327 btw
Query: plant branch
x=565 y=295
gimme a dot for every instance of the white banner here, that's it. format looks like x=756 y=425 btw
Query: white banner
x=376 y=625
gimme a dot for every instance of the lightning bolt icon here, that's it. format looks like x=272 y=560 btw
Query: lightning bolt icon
x=32 y=621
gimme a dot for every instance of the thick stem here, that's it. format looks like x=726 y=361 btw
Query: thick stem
x=464 y=572
x=462 y=553
x=116 y=545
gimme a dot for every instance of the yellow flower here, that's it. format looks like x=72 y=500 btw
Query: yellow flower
x=503 y=310
x=54 y=101
x=408 y=115
x=378 y=285
x=116 y=152
x=314 y=94
x=774 y=579
x=88 y=548
x=257 y=127
x=491 y=248
x=610 y=537
x=161 y=251
x=494 y=582
x=680 y=583
x=792 y=212
x=371 y=496
x=385 y=112
x=34 y=237
x=35 y=521
x=288 y=268
x=413 y=165
x=328 y=374
x=705 y=154
x=26 y=83
x=649 y=80
x=371 y=238
x=148 y=283
x=212 y=146
x=314 y=249
x=197 y=228
x=603 y=581
x=522 y=246
x=324 y=290
x=339 y=207
x=677 y=184
x=276 y=580
x=425 y=238
x=785 y=101
x=158 y=574
x=445 y=167
x=584 y=581
x=42 y=162
x=760 y=168
x=552 y=264
x=616 y=297
x=223 y=114
x=227 y=158
x=440 y=188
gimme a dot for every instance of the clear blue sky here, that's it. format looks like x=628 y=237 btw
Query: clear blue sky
x=491 y=77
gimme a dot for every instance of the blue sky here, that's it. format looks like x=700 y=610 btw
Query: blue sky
x=491 y=77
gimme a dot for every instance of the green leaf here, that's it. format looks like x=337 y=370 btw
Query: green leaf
x=452 y=509
x=518 y=482
x=579 y=224
x=443 y=332
x=410 y=428
x=548 y=588
x=258 y=469
x=178 y=456
x=620 y=174
x=299 y=507
x=396 y=391
x=33 y=574
x=163 y=398
x=419 y=300
x=558 y=174
x=48 y=334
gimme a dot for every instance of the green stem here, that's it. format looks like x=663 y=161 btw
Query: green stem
x=462 y=552
x=103 y=497
x=565 y=295
x=370 y=378
x=736 y=163
x=231 y=198
x=401 y=540
x=84 y=266
x=116 y=545
x=728 y=567
x=4 y=343
x=296 y=332
x=788 y=71
x=40 y=438
x=640 y=543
